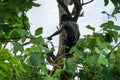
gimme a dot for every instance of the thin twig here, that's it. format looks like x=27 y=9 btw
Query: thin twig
x=4 y=46
x=78 y=9
x=6 y=40
x=3 y=24
x=11 y=39
x=1 y=39
x=88 y=2
x=26 y=43
x=26 y=77
x=53 y=64
x=112 y=50
x=60 y=56
x=57 y=28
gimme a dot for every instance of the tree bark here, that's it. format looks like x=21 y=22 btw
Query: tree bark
x=62 y=36
x=61 y=50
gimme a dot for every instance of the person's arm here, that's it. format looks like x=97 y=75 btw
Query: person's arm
x=57 y=32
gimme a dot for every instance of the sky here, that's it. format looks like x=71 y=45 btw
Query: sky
x=47 y=16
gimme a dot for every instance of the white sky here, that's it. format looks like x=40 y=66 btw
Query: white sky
x=47 y=16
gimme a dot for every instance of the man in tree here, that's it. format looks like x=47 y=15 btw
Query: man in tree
x=72 y=33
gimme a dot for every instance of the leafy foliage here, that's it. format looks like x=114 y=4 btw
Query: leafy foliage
x=116 y=4
x=99 y=56
x=28 y=57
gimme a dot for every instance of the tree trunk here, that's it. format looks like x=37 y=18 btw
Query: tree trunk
x=75 y=14
x=62 y=36
x=61 y=50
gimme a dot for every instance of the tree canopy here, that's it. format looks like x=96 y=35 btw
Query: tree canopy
x=95 y=57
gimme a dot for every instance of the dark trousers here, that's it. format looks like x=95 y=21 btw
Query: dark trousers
x=69 y=44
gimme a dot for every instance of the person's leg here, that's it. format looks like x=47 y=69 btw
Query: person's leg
x=69 y=45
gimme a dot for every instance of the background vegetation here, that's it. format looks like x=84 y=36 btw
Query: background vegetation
x=95 y=57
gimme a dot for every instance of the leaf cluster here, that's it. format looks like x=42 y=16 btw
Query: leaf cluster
x=95 y=57
x=116 y=4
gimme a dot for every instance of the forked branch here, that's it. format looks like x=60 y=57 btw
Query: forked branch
x=77 y=9
x=64 y=7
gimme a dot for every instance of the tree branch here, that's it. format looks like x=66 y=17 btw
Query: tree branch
x=112 y=50
x=88 y=2
x=3 y=24
x=11 y=39
x=78 y=8
x=8 y=39
x=26 y=43
x=50 y=56
x=64 y=7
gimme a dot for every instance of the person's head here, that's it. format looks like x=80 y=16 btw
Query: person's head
x=65 y=17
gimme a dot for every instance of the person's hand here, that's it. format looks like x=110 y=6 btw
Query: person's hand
x=49 y=38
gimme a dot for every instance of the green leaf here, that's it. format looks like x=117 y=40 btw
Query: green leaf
x=48 y=78
x=39 y=31
x=98 y=51
x=4 y=54
x=22 y=33
x=44 y=69
x=23 y=39
x=91 y=28
x=116 y=27
x=70 y=66
x=104 y=26
x=21 y=68
x=14 y=34
x=100 y=44
x=116 y=4
x=15 y=60
x=99 y=61
x=106 y=2
x=109 y=25
x=102 y=60
x=112 y=56
x=3 y=66
x=38 y=40
x=7 y=29
x=28 y=68
x=114 y=34
x=77 y=52
x=99 y=36
x=92 y=60
x=25 y=21
x=57 y=73
x=80 y=42
x=108 y=73
x=36 y=59
x=83 y=75
x=2 y=74
x=108 y=37
x=36 y=49
x=17 y=47
x=36 y=4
